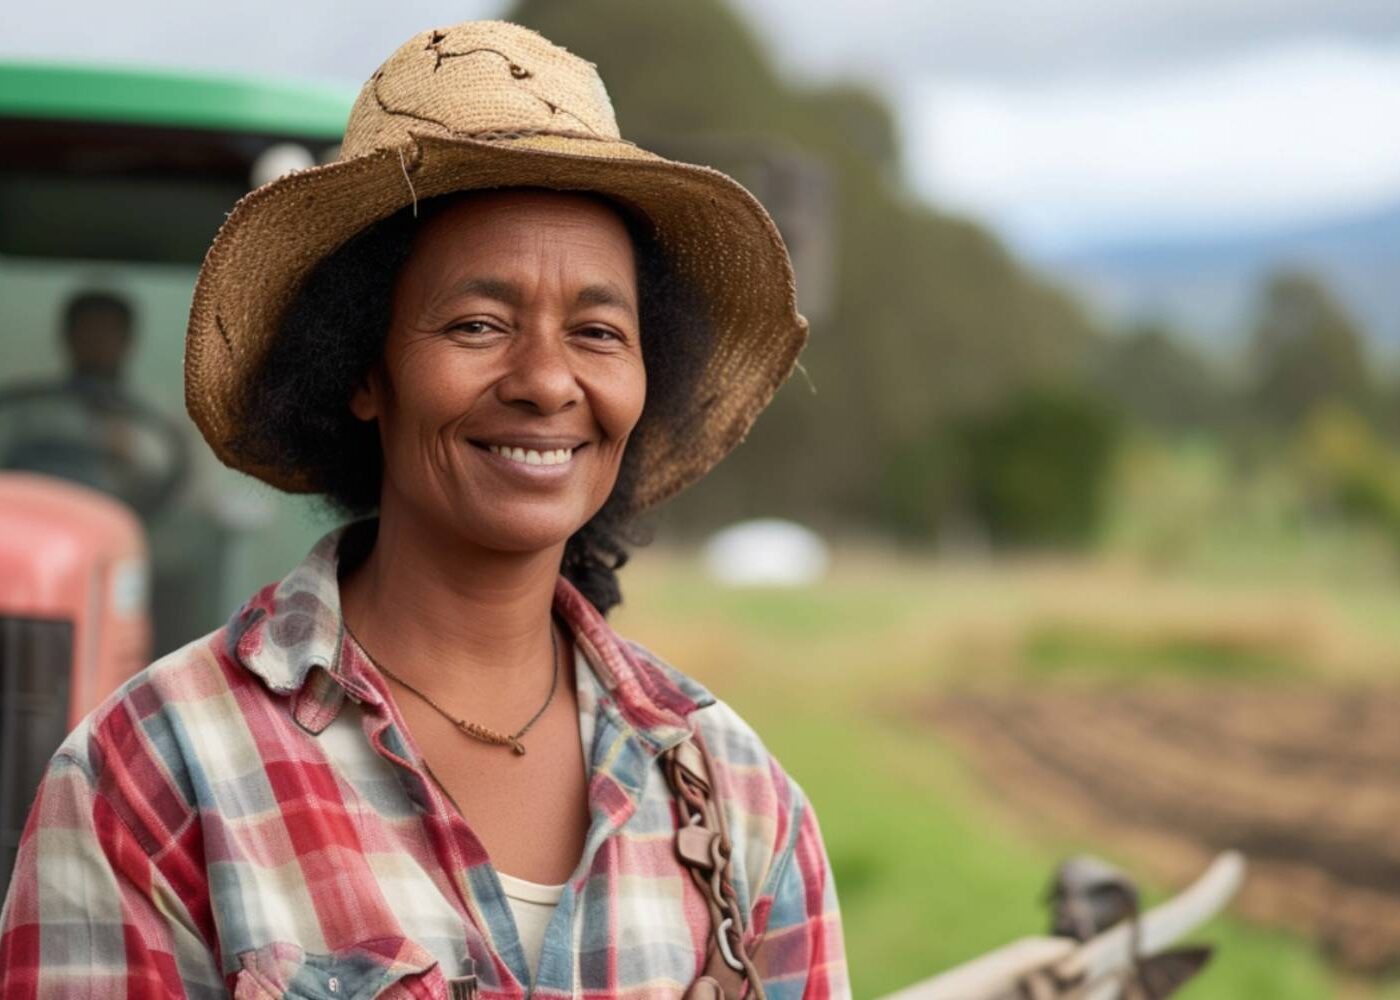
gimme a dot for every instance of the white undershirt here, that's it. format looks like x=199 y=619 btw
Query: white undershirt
x=533 y=906
x=531 y=903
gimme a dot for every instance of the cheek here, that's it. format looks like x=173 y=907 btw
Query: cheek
x=619 y=409
x=432 y=388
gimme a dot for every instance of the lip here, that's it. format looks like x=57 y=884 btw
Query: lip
x=529 y=441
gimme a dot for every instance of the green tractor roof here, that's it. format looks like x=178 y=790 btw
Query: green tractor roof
x=166 y=97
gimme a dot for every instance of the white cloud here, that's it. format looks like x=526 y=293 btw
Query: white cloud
x=1264 y=138
x=885 y=40
x=892 y=40
x=329 y=39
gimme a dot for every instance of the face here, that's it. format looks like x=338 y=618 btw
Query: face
x=512 y=373
x=98 y=342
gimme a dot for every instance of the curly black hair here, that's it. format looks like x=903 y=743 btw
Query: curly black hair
x=295 y=409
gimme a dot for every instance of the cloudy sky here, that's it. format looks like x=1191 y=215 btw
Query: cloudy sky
x=1058 y=121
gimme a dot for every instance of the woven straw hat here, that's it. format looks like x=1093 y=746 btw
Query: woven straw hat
x=485 y=105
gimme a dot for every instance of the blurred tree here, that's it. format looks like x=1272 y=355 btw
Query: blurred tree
x=1387 y=404
x=1305 y=351
x=930 y=318
x=672 y=69
x=1039 y=470
x=1158 y=380
x=1348 y=469
x=920 y=487
x=863 y=119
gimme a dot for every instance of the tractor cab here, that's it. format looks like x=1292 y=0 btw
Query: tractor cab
x=120 y=538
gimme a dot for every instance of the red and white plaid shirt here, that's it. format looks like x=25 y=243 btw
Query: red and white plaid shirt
x=246 y=816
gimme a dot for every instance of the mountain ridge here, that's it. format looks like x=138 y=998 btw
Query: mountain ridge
x=1206 y=286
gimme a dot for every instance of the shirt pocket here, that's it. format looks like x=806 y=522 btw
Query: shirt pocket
x=382 y=968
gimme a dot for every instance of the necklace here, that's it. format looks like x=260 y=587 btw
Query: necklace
x=476 y=731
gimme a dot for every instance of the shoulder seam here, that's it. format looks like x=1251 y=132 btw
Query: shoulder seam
x=91 y=776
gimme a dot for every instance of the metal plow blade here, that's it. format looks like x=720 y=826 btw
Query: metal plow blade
x=1129 y=961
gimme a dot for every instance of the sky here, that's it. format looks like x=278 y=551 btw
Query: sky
x=1059 y=122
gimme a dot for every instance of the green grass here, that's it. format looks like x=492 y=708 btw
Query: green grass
x=841 y=609
x=931 y=867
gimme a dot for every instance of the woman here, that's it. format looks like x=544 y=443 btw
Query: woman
x=423 y=764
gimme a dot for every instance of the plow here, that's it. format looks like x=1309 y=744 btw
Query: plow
x=1102 y=945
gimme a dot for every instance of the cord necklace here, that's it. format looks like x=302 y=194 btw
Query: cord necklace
x=473 y=729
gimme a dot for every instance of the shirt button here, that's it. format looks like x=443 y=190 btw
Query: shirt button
x=333 y=984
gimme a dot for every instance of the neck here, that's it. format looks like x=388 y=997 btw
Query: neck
x=450 y=615
x=95 y=376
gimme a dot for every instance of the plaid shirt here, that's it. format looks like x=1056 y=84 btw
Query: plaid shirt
x=248 y=816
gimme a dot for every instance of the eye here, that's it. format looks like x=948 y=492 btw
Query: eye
x=473 y=327
x=601 y=333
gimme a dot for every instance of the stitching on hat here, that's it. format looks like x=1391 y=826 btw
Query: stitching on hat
x=219 y=325
x=517 y=72
x=489 y=135
x=555 y=109
x=404 y=114
x=530 y=133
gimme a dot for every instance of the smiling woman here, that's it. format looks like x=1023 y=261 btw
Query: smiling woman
x=509 y=348
x=333 y=335
x=423 y=764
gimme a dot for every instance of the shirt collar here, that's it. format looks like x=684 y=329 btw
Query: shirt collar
x=291 y=636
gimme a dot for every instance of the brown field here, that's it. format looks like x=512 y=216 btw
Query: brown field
x=966 y=725
x=1302 y=777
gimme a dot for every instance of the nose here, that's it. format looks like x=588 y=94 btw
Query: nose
x=540 y=376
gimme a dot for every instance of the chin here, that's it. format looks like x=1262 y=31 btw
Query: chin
x=523 y=531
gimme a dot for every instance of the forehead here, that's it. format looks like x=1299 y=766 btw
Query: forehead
x=488 y=226
x=100 y=316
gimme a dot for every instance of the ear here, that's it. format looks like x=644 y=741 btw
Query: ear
x=365 y=400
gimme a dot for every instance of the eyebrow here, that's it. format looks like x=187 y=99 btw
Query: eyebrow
x=490 y=288
x=606 y=294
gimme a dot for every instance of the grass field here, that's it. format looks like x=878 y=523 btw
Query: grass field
x=932 y=866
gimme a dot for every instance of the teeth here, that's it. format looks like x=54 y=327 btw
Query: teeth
x=528 y=456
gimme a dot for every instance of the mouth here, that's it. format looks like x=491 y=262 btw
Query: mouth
x=535 y=454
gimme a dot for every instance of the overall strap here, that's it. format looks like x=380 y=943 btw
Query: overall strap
x=702 y=845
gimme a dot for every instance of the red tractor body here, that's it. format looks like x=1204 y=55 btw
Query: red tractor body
x=73 y=625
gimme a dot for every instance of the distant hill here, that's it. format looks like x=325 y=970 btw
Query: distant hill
x=1207 y=287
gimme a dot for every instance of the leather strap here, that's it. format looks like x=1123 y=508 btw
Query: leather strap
x=702 y=846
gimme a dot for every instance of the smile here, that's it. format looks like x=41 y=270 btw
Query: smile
x=530 y=456
x=522 y=455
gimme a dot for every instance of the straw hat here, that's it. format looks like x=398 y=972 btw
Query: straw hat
x=482 y=105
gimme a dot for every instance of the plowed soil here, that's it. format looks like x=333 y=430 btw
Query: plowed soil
x=1304 y=780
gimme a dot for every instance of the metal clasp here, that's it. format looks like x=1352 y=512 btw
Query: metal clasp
x=464 y=987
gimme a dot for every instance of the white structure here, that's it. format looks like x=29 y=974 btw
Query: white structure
x=279 y=160
x=766 y=553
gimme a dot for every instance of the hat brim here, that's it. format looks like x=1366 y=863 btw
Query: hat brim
x=714 y=233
